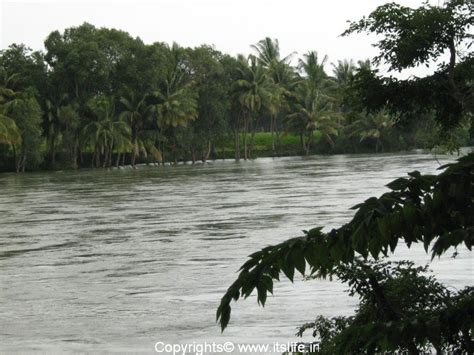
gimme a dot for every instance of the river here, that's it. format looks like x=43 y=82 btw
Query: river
x=117 y=260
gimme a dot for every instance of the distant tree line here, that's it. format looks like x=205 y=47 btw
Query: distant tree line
x=98 y=97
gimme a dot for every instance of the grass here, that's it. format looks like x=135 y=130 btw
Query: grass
x=287 y=144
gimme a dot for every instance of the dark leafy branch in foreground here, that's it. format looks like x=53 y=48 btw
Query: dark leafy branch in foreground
x=401 y=308
x=436 y=210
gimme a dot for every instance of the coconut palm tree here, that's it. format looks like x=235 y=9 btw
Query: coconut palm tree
x=9 y=132
x=53 y=108
x=177 y=105
x=313 y=71
x=342 y=75
x=314 y=111
x=136 y=111
x=69 y=122
x=122 y=143
x=6 y=81
x=281 y=73
x=252 y=90
x=268 y=51
x=268 y=56
x=343 y=72
x=176 y=108
x=364 y=64
x=275 y=103
x=105 y=133
x=373 y=126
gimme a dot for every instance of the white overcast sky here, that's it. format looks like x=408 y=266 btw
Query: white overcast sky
x=230 y=25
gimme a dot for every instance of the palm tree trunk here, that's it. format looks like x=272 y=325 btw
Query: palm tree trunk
x=308 y=143
x=208 y=153
x=23 y=163
x=52 y=148
x=93 y=157
x=16 y=159
x=74 y=154
x=106 y=157
x=134 y=154
x=252 y=137
x=110 y=155
x=97 y=156
x=272 y=129
x=163 y=159
x=277 y=134
x=245 y=138
x=237 y=145
x=175 y=157
x=193 y=156
x=81 y=157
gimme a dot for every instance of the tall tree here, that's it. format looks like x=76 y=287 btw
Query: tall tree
x=53 y=109
x=251 y=89
x=313 y=71
x=343 y=71
x=26 y=112
x=282 y=75
x=136 y=111
x=314 y=111
x=213 y=88
x=372 y=126
x=69 y=121
x=9 y=132
x=177 y=97
x=106 y=132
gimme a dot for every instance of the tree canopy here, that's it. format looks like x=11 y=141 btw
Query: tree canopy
x=413 y=37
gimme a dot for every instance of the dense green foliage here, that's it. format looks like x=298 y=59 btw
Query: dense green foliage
x=409 y=310
x=400 y=309
x=106 y=98
x=413 y=37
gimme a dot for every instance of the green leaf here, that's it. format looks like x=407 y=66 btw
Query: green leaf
x=374 y=247
x=262 y=295
x=298 y=260
x=398 y=184
x=409 y=213
x=393 y=243
x=267 y=282
x=383 y=230
x=289 y=270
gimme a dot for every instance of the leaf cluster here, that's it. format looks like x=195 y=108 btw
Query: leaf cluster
x=427 y=313
x=416 y=36
x=437 y=211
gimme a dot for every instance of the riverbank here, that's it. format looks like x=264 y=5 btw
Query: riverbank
x=283 y=145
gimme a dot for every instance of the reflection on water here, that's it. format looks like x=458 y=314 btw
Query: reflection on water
x=121 y=259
